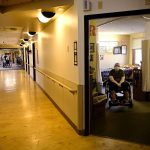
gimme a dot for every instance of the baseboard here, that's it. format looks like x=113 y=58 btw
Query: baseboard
x=80 y=132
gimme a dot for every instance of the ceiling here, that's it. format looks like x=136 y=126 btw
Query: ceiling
x=122 y=25
x=19 y=16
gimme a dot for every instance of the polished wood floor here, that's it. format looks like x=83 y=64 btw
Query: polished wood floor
x=29 y=121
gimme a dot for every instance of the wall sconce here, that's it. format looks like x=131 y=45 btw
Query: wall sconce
x=22 y=43
x=31 y=33
x=45 y=16
x=25 y=40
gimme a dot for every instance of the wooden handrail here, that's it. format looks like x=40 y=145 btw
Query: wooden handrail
x=61 y=84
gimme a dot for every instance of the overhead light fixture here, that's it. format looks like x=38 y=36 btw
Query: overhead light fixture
x=25 y=40
x=31 y=33
x=22 y=43
x=45 y=16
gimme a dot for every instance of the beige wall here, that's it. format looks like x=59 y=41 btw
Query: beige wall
x=55 y=55
x=138 y=37
x=109 y=57
x=31 y=60
x=107 y=7
x=55 y=51
x=115 y=6
x=147 y=30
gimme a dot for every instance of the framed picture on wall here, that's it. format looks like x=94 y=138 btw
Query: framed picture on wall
x=101 y=57
x=117 y=50
x=92 y=47
x=124 y=49
x=91 y=58
x=107 y=46
x=102 y=49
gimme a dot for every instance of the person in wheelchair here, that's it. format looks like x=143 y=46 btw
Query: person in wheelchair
x=117 y=83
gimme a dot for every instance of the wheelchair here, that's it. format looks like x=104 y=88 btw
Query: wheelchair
x=119 y=96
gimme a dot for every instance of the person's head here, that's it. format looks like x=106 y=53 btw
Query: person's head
x=117 y=66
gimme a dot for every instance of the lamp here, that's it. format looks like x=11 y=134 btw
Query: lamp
x=45 y=16
x=31 y=33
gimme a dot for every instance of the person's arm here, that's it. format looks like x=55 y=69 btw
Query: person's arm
x=122 y=80
x=111 y=78
x=122 y=77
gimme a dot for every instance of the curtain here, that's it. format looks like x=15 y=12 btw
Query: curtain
x=98 y=72
x=146 y=65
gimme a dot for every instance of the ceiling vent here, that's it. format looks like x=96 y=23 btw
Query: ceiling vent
x=147 y=2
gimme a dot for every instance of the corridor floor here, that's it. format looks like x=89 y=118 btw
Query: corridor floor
x=29 y=121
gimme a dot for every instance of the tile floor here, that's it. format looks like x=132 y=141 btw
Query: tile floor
x=29 y=121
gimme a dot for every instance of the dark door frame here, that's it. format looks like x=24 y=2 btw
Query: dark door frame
x=34 y=62
x=88 y=106
x=28 y=60
x=22 y=50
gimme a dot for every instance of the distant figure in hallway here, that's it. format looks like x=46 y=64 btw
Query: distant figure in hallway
x=6 y=61
x=117 y=82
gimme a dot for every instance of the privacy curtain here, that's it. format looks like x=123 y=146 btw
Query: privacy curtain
x=146 y=65
x=98 y=72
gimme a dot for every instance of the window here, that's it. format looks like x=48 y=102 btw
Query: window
x=137 y=56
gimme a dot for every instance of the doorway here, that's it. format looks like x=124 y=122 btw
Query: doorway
x=30 y=61
x=128 y=124
x=11 y=59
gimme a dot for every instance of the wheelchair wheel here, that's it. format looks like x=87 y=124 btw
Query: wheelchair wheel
x=110 y=104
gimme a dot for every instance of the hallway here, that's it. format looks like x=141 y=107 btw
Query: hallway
x=29 y=121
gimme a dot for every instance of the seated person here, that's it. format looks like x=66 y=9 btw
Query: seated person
x=117 y=82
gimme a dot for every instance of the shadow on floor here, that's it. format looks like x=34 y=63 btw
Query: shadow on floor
x=130 y=124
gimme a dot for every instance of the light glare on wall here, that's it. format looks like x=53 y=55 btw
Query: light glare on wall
x=64 y=20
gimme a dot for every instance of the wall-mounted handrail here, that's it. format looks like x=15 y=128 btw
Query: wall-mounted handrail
x=61 y=84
